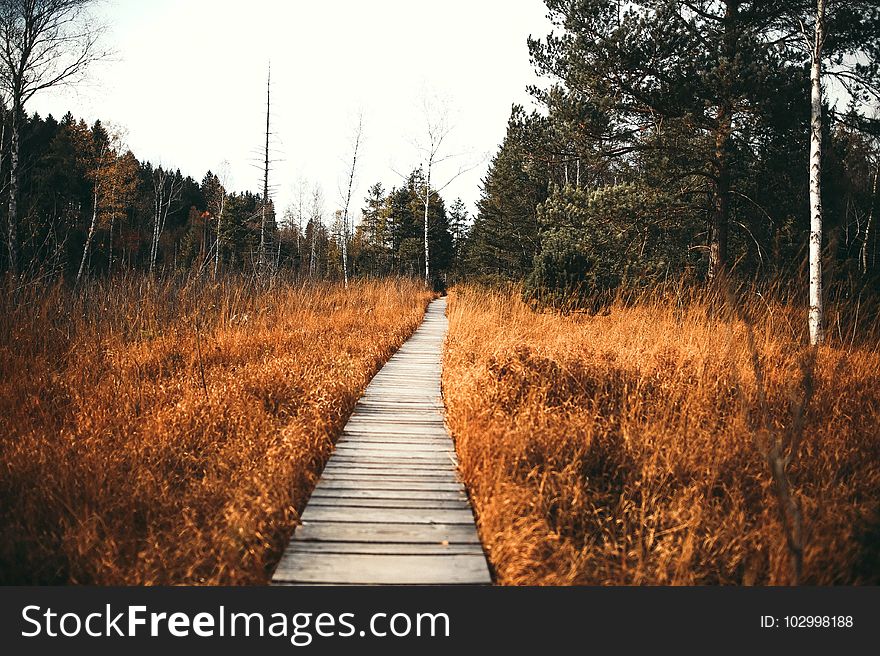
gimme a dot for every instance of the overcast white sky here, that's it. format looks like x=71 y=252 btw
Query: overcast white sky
x=188 y=84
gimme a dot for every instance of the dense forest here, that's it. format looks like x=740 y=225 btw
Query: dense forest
x=674 y=138
x=78 y=180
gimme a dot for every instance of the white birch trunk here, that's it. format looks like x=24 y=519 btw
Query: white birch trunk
x=427 y=203
x=863 y=255
x=158 y=201
x=357 y=143
x=13 y=190
x=815 y=312
x=262 y=254
x=219 y=225
x=110 y=245
x=82 y=263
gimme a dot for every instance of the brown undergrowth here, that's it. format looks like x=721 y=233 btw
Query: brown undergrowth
x=168 y=432
x=630 y=448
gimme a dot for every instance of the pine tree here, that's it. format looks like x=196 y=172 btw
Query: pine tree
x=505 y=236
x=709 y=66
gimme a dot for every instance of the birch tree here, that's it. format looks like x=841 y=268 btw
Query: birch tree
x=100 y=161
x=866 y=239
x=43 y=44
x=358 y=133
x=301 y=192
x=113 y=174
x=816 y=310
x=847 y=35
x=317 y=210
x=166 y=191
x=265 y=202
x=217 y=204
x=433 y=153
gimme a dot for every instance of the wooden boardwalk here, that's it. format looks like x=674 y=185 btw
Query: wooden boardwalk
x=389 y=508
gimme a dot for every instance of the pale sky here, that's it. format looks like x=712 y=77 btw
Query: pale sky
x=188 y=84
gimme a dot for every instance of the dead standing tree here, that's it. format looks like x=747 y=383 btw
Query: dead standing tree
x=358 y=135
x=43 y=44
x=261 y=255
x=437 y=131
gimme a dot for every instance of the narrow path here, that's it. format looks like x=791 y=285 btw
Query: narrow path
x=389 y=508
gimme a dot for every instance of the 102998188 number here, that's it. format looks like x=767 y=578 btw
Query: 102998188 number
x=818 y=621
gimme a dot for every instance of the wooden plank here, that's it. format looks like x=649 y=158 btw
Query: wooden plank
x=372 y=481
x=441 y=460
x=388 y=548
x=373 y=569
x=321 y=494
x=422 y=418
x=389 y=439
x=412 y=533
x=425 y=430
x=380 y=466
x=426 y=504
x=392 y=473
x=388 y=484
x=392 y=449
x=384 y=515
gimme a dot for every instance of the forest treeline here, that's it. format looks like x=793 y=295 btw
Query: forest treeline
x=670 y=139
x=77 y=179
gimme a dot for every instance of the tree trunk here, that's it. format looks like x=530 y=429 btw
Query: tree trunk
x=357 y=144
x=82 y=264
x=312 y=253
x=110 y=245
x=815 y=313
x=219 y=223
x=262 y=254
x=11 y=237
x=721 y=213
x=427 y=203
x=863 y=256
x=156 y=219
x=724 y=127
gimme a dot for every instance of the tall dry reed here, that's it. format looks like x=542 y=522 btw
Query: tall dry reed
x=632 y=447
x=156 y=432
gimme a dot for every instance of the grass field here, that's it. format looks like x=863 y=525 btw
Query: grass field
x=160 y=432
x=168 y=433
x=634 y=447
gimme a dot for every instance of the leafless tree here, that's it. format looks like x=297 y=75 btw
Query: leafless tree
x=432 y=152
x=265 y=203
x=43 y=44
x=301 y=192
x=358 y=135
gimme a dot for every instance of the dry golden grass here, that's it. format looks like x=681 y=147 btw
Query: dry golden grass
x=129 y=458
x=626 y=448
